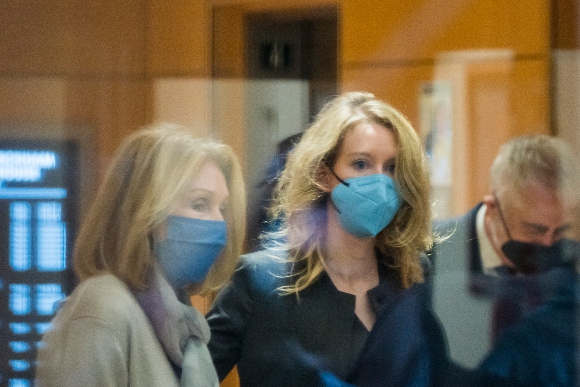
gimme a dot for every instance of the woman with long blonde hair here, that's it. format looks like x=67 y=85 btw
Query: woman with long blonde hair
x=354 y=203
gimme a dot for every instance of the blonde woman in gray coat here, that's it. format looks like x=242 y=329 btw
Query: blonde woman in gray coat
x=167 y=222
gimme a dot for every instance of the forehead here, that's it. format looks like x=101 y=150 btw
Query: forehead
x=369 y=137
x=209 y=177
x=541 y=205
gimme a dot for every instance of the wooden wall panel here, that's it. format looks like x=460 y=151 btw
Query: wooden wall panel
x=95 y=52
x=114 y=107
x=275 y=6
x=397 y=85
x=416 y=30
x=111 y=108
x=488 y=124
x=72 y=37
x=531 y=97
x=228 y=42
x=179 y=38
x=36 y=101
x=509 y=101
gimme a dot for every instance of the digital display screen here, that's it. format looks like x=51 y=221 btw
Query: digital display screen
x=37 y=223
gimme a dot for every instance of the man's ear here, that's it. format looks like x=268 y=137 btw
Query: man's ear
x=323 y=176
x=490 y=201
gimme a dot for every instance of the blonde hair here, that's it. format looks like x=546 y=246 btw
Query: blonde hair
x=149 y=172
x=300 y=199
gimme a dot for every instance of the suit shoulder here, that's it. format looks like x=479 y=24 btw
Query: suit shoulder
x=453 y=222
x=264 y=269
x=264 y=260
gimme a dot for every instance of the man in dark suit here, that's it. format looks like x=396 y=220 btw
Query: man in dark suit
x=542 y=348
x=490 y=262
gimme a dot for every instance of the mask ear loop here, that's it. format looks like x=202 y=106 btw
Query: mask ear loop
x=502 y=218
x=338 y=178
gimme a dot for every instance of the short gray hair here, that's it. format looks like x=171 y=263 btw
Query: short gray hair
x=532 y=159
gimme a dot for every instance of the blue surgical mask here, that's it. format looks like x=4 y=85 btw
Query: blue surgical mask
x=189 y=249
x=366 y=204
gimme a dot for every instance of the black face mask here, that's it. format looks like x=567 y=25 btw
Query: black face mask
x=530 y=258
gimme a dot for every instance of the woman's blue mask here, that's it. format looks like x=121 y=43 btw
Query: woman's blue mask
x=189 y=249
x=366 y=204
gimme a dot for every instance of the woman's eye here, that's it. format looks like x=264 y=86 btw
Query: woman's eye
x=199 y=205
x=390 y=169
x=359 y=164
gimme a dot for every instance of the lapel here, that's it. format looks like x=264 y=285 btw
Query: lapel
x=459 y=249
x=475 y=265
x=479 y=283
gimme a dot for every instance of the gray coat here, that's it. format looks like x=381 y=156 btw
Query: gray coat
x=102 y=337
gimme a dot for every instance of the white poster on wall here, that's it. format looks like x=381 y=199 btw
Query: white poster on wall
x=436 y=115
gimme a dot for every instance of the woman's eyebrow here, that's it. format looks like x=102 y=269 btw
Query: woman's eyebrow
x=359 y=154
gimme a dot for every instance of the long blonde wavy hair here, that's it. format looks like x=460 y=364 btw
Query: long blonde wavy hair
x=150 y=171
x=300 y=200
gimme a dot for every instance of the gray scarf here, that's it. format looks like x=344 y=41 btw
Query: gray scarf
x=182 y=332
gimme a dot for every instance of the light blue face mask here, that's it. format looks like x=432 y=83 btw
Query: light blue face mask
x=366 y=204
x=189 y=249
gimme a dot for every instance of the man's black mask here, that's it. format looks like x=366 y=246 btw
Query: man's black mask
x=530 y=258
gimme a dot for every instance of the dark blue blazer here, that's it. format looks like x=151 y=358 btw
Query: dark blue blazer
x=542 y=349
x=287 y=341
